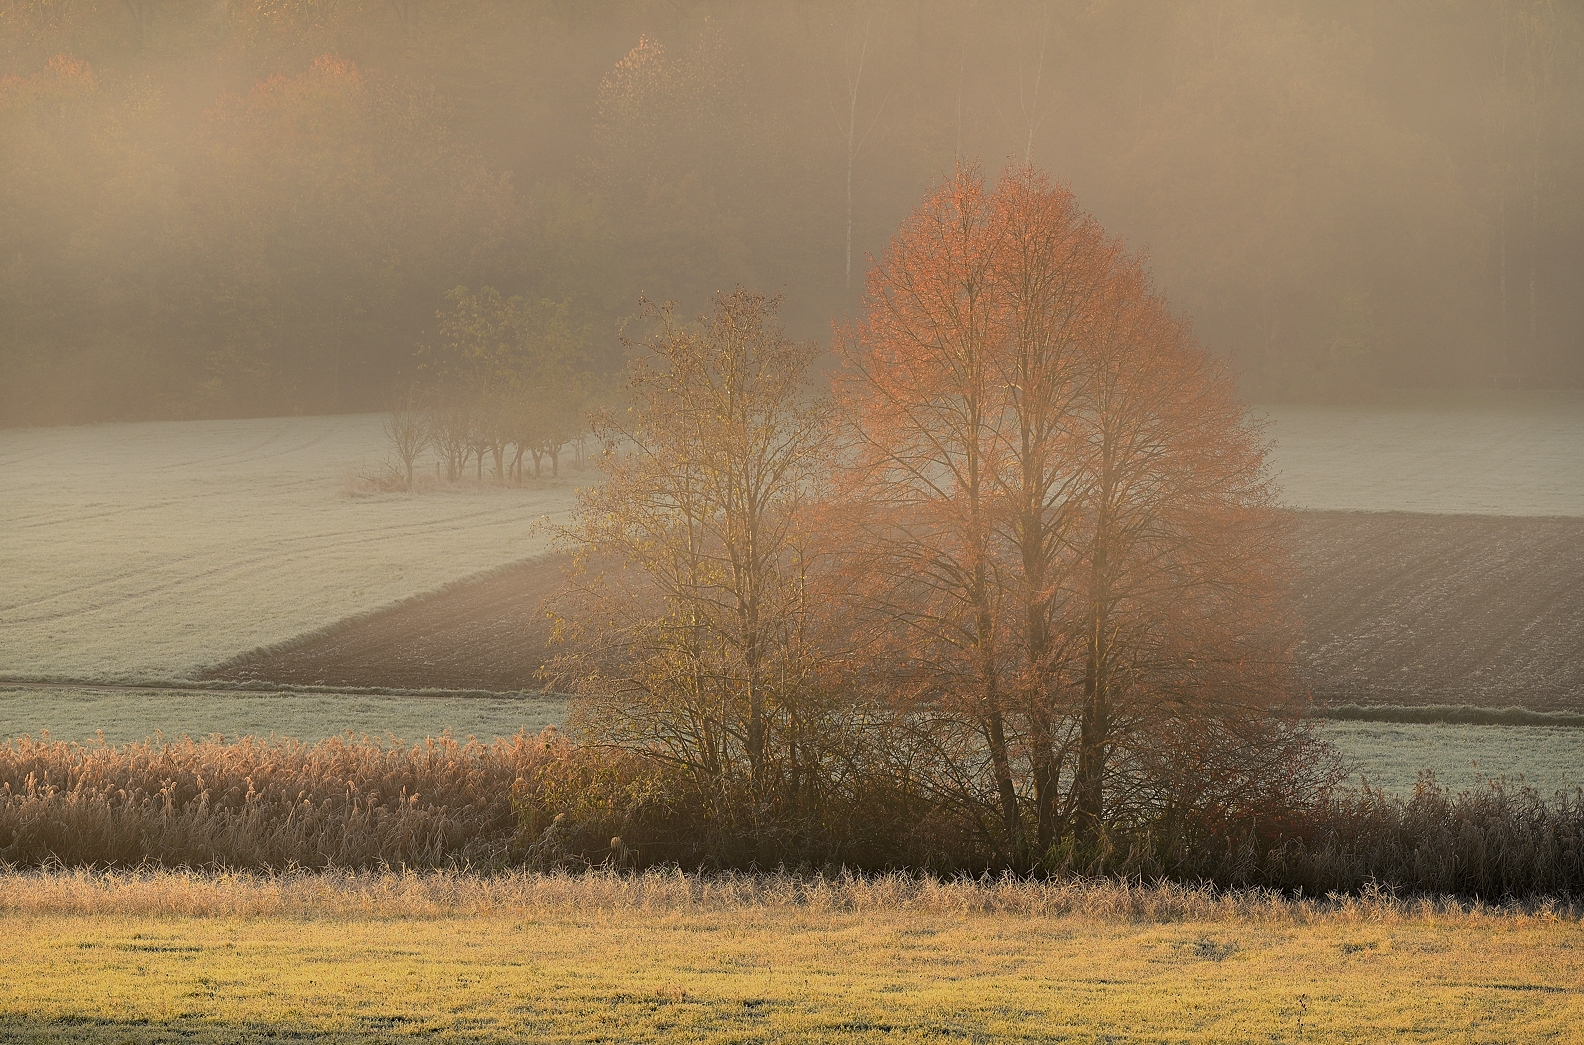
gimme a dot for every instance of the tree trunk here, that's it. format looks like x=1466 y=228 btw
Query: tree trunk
x=1095 y=726
x=1046 y=781
x=1011 y=818
x=1088 y=787
x=1534 y=265
x=1501 y=236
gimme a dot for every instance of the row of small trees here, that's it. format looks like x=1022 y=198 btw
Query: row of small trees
x=506 y=382
x=1022 y=568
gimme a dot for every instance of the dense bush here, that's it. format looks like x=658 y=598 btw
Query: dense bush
x=542 y=801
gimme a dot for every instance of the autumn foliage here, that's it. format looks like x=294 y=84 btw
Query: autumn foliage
x=1021 y=572
x=1071 y=537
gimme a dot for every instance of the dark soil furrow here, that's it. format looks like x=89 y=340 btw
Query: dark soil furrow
x=1398 y=608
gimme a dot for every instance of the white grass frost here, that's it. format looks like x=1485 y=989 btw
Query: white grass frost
x=83 y=714
x=448 y=894
x=151 y=551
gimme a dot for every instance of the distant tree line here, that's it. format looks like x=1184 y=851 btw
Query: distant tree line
x=507 y=384
x=259 y=207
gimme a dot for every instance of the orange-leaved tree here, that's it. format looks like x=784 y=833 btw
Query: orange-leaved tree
x=1072 y=541
x=1179 y=575
x=923 y=402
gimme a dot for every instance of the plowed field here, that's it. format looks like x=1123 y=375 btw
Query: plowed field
x=1443 y=609
x=491 y=633
x=1399 y=608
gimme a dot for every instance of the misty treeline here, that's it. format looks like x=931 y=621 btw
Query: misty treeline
x=1011 y=597
x=1017 y=584
x=256 y=207
x=507 y=383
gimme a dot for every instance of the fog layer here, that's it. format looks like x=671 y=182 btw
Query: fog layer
x=258 y=206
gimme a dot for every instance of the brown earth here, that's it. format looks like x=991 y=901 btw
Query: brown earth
x=492 y=633
x=1398 y=608
x=1442 y=609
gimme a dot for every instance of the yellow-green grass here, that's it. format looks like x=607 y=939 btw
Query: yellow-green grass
x=552 y=958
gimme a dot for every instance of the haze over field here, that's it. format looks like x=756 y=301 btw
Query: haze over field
x=150 y=551
x=1443 y=454
x=213 y=209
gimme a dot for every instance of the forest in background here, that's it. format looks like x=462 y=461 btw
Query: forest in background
x=241 y=207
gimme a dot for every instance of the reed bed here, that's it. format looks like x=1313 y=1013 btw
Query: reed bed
x=250 y=803
x=346 y=894
x=361 y=808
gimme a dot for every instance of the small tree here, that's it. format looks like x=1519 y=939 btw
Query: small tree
x=694 y=560
x=450 y=418
x=407 y=431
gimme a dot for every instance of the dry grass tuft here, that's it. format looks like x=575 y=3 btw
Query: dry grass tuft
x=252 y=803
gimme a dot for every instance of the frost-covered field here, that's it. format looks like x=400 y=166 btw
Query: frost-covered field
x=1390 y=755
x=1509 y=454
x=152 y=551
x=79 y=714
x=149 y=552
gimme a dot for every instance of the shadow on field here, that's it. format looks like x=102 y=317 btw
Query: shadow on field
x=642 y=1017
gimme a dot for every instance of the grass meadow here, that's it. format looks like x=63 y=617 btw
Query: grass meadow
x=672 y=958
x=1391 y=755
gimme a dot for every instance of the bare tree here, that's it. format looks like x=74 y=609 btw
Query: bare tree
x=407 y=431
x=703 y=510
x=1029 y=102
x=1541 y=42
x=451 y=423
